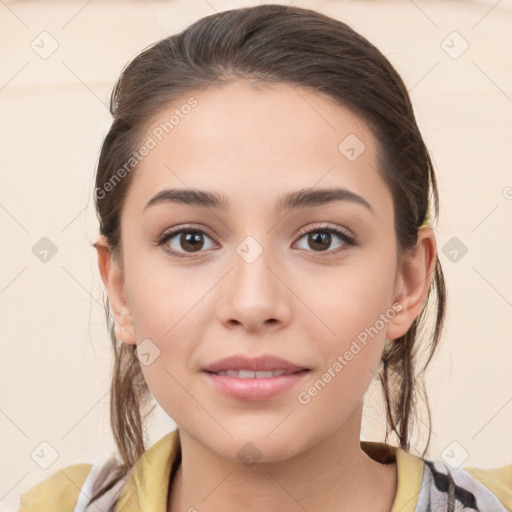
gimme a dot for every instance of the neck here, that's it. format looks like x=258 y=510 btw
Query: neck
x=333 y=475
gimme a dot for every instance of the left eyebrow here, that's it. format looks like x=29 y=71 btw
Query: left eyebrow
x=304 y=198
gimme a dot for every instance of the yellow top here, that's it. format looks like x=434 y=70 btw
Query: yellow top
x=146 y=488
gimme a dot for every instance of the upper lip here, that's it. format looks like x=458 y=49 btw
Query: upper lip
x=260 y=363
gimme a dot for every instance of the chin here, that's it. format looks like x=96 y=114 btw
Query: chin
x=254 y=445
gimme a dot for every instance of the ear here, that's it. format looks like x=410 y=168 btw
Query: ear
x=113 y=279
x=413 y=281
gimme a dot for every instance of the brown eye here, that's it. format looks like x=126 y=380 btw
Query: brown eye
x=320 y=239
x=191 y=241
x=185 y=241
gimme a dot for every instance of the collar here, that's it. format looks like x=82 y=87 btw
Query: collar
x=147 y=484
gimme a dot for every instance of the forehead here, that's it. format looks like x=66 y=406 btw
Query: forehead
x=257 y=141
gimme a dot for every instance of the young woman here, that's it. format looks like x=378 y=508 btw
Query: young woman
x=265 y=197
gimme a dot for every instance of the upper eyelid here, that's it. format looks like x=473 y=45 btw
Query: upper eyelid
x=327 y=226
x=187 y=227
x=306 y=229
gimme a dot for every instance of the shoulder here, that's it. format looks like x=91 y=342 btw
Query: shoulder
x=497 y=480
x=58 y=493
x=486 y=490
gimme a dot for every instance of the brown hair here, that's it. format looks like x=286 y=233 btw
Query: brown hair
x=301 y=47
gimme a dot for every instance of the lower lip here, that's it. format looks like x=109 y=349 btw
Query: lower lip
x=254 y=389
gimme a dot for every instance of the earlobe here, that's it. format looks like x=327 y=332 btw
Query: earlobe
x=113 y=279
x=415 y=277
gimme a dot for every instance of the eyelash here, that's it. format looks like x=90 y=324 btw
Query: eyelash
x=324 y=228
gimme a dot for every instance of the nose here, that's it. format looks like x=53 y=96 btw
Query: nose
x=254 y=294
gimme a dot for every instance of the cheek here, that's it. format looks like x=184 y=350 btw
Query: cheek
x=350 y=352
x=352 y=311
x=168 y=314
x=162 y=297
x=171 y=337
x=350 y=300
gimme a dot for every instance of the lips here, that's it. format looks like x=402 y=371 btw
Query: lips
x=254 y=378
x=245 y=367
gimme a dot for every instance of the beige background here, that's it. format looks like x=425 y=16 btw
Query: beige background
x=55 y=364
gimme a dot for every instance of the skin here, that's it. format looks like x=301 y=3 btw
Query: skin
x=254 y=143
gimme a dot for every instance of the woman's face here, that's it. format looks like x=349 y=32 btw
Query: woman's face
x=259 y=277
